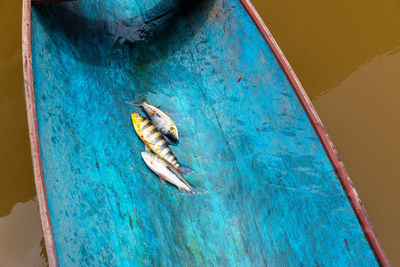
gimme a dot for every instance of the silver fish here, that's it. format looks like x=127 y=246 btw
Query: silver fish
x=161 y=121
x=168 y=173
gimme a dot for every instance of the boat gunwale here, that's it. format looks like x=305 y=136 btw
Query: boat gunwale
x=315 y=121
x=33 y=134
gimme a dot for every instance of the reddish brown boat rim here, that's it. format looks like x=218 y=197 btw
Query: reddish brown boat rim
x=323 y=136
x=33 y=133
x=291 y=76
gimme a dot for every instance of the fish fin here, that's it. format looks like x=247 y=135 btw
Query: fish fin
x=197 y=191
x=183 y=190
x=152 y=114
x=162 y=178
x=147 y=149
x=168 y=140
x=185 y=170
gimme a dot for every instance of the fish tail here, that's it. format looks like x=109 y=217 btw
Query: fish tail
x=197 y=191
x=140 y=104
x=184 y=170
x=134 y=104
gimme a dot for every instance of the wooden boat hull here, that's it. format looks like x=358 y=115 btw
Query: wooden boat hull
x=278 y=195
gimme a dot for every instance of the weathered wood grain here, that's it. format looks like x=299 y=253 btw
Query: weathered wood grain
x=274 y=198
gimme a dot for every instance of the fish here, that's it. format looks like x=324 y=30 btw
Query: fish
x=168 y=173
x=154 y=140
x=161 y=121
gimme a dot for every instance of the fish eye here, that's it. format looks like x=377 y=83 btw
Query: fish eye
x=137 y=115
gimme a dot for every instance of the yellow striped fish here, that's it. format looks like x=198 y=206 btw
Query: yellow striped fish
x=161 y=120
x=155 y=141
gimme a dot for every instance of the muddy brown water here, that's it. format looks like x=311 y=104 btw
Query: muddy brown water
x=345 y=53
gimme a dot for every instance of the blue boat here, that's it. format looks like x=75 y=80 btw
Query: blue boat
x=278 y=194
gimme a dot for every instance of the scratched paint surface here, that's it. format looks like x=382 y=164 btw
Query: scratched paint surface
x=273 y=195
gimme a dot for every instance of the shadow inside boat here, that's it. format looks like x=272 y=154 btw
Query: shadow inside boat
x=96 y=41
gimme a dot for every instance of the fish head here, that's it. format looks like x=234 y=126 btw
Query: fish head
x=172 y=134
x=136 y=118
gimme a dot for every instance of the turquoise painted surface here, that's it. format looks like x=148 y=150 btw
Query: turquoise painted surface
x=273 y=196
